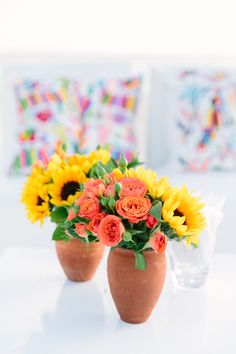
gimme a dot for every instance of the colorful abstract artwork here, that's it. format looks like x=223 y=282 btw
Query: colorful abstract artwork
x=206 y=120
x=111 y=120
x=81 y=115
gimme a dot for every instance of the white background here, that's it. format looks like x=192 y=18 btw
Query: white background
x=154 y=31
x=124 y=27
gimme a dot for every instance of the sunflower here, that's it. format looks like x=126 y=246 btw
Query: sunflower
x=85 y=163
x=35 y=197
x=81 y=161
x=183 y=213
x=156 y=187
x=56 y=161
x=65 y=188
x=102 y=155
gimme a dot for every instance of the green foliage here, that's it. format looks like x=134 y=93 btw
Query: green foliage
x=72 y=232
x=59 y=214
x=75 y=208
x=134 y=163
x=146 y=246
x=93 y=172
x=101 y=171
x=156 y=210
x=68 y=223
x=118 y=188
x=111 y=203
x=123 y=163
x=104 y=201
x=136 y=232
x=59 y=234
x=169 y=232
x=79 y=220
x=140 y=262
x=111 y=165
x=97 y=171
x=127 y=236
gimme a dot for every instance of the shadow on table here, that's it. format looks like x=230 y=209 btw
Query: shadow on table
x=179 y=320
x=78 y=316
x=82 y=324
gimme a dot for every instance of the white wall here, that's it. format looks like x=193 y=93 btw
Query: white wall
x=145 y=27
x=151 y=29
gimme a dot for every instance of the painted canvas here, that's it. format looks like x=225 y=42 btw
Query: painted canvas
x=206 y=120
x=82 y=115
x=111 y=118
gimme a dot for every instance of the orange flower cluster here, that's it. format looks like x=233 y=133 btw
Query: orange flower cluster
x=132 y=205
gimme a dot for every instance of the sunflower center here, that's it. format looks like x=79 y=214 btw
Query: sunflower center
x=39 y=201
x=180 y=214
x=69 y=188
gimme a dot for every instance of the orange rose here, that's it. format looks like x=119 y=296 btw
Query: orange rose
x=95 y=222
x=71 y=215
x=81 y=199
x=89 y=207
x=94 y=187
x=158 y=242
x=132 y=187
x=151 y=221
x=110 y=230
x=110 y=190
x=81 y=230
x=134 y=209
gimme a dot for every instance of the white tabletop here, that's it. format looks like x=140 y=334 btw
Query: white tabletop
x=43 y=313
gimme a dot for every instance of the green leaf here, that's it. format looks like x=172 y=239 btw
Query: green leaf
x=140 y=262
x=104 y=201
x=123 y=163
x=127 y=236
x=101 y=171
x=75 y=208
x=59 y=214
x=72 y=233
x=157 y=228
x=93 y=172
x=147 y=245
x=78 y=219
x=118 y=188
x=156 y=210
x=68 y=223
x=110 y=166
x=134 y=163
x=136 y=232
x=59 y=233
x=111 y=202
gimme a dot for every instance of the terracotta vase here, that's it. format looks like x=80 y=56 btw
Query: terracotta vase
x=135 y=292
x=78 y=260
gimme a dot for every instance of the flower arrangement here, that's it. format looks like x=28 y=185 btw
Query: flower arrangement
x=57 y=182
x=96 y=201
x=132 y=209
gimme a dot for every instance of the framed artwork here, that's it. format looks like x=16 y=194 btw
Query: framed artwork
x=82 y=111
x=205 y=119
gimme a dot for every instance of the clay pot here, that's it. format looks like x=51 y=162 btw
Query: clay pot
x=78 y=260
x=135 y=292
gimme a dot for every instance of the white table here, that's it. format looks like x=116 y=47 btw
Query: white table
x=43 y=313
